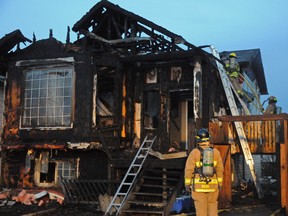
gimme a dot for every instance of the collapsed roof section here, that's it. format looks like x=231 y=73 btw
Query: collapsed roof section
x=114 y=26
x=9 y=41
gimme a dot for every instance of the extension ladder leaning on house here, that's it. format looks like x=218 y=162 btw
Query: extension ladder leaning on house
x=228 y=87
x=130 y=177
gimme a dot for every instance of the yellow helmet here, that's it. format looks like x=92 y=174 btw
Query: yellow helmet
x=233 y=54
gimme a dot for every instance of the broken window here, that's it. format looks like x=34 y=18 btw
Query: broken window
x=49 y=171
x=152 y=107
x=48 y=177
x=48 y=97
x=104 y=97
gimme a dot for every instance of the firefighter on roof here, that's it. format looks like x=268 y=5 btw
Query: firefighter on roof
x=233 y=72
x=204 y=175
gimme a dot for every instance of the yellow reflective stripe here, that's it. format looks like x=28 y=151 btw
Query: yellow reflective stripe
x=205 y=190
x=204 y=139
x=187 y=181
x=220 y=179
x=213 y=181
x=215 y=163
x=198 y=163
x=234 y=74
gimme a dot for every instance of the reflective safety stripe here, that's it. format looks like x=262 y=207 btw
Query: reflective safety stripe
x=187 y=181
x=198 y=181
x=205 y=190
x=200 y=185
x=233 y=74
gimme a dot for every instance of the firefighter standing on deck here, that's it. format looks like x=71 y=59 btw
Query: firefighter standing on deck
x=233 y=72
x=204 y=177
x=271 y=108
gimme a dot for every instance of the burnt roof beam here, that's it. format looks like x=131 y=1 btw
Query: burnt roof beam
x=120 y=11
x=116 y=27
x=158 y=37
x=116 y=41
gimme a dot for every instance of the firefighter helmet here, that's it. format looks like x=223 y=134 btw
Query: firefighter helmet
x=272 y=99
x=202 y=135
x=232 y=55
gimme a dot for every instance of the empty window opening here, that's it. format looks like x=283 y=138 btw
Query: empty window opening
x=48 y=177
x=151 y=112
x=105 y=97
x=49 y=172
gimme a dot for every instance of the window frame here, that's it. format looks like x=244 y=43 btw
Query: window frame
x=47 y=66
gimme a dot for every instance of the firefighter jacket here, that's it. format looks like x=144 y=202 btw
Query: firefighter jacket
x=232 y=68
x=270 y=109
x=193 y=177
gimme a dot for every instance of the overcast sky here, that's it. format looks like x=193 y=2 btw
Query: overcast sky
x=228 y=25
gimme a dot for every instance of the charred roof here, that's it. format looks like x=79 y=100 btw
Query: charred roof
x=10 y=40
x=109 y=23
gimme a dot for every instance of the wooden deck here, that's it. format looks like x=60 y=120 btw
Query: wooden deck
x=266 y=134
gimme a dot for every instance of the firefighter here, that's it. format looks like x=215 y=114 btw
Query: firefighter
x=233 y=72
x=271 y=108
x=204 y=175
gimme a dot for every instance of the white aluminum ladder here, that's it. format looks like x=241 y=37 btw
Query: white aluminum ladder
x=131 y=174
x=228 y=87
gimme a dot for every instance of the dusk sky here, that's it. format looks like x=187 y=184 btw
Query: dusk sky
x=228 y=25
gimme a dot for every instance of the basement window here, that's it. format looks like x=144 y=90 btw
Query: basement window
x=66 y=169
x=48 y=98
x=48 y=173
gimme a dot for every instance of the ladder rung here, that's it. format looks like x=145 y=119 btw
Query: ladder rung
x=116 y=204
x=127 y=183
x=122 y=194
x=150 y=194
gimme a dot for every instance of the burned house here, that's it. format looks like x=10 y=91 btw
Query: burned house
x=80 y=110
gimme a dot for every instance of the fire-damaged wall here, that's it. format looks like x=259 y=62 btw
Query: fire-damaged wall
x=69 y=107
x=48 y=109
x=61 y=97
x=45 y=168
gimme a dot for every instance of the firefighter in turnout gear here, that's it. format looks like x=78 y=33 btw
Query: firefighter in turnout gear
x=271 y=108
x=233 y=72
x=204 y=175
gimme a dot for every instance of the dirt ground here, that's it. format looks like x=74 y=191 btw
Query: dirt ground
x=244 y=203
x=249 y=207
x=56 y=210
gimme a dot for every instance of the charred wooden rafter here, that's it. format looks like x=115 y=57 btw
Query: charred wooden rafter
x=110 y=22
x=116 y=41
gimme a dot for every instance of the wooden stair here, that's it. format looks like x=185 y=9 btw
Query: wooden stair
x=155 y=191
